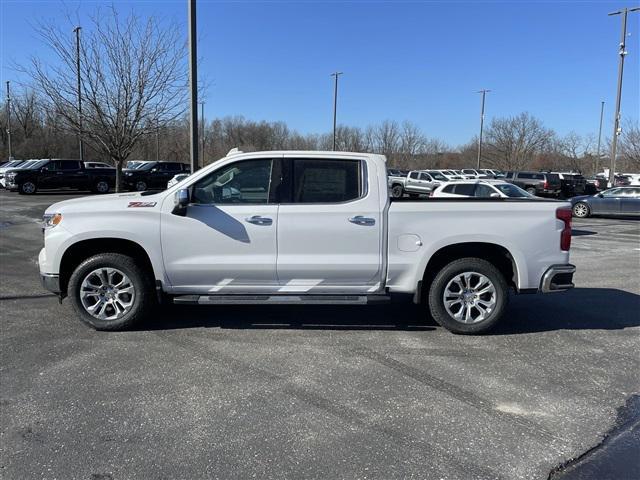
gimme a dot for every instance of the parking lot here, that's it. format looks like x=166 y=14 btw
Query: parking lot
x=319 y=392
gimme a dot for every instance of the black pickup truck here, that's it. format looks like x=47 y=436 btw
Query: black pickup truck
x=573 y=184
x=59 y=173
x=540 y=184
x=152 y=175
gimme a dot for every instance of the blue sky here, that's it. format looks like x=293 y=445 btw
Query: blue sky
x=419 y=61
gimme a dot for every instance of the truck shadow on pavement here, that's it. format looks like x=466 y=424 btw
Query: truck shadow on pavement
x=579 y=309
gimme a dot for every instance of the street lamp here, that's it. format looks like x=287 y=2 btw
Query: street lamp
x=484 y=93
x=335 y=105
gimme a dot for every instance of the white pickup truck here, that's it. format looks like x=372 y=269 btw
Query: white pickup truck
x=301 y=227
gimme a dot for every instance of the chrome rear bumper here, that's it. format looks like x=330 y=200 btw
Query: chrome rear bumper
x=558 y=278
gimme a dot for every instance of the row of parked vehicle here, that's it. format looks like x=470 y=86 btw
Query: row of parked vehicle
x=622 y=200
x=29 y=176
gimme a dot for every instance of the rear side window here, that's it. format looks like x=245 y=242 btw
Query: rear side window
x=464 y=189
x=539 y=176
x=525 y=175
x=64 y=165
x=554 y=177
x=448 y=189
x=326 y=181
x=413 y=175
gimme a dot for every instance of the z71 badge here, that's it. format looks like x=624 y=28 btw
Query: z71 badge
x=141 y=204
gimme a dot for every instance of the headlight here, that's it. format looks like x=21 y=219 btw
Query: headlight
x=128 y=174
x=50 y=220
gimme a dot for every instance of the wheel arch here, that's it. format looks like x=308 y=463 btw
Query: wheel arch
x=77 y=252
x=495 y=254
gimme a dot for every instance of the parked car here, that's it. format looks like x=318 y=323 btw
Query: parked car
x=396 y=181
x=475 y=173
x=60 y=173
x=539 y=184
x=300 y=228
x=614 y=201
x=152 y=175
x=488 y=188
x=177 y=179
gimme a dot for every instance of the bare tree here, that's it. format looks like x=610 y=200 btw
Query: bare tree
x=133 y=75
x=630 y=145
x=512 y=143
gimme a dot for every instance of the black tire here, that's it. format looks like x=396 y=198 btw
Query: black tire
x=101 y=187
x=581 y=210
x=27 y=188
x=140 y=186
x=448 y=274
x=144 y=300
x=531 y=190
x=397 y=191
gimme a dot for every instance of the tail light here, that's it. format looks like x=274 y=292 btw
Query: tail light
x=546 y=185
x=564 y=214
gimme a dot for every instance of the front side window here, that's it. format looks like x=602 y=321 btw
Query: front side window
x=613 y=192
x=483 y=191
x=425 y=176
x=238 y=183
x=413 y=175
x=438 y=176
x=326 y=181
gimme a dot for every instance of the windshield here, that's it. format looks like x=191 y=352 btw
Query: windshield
x=37 y=164
x=437 y=176
x=512 y=191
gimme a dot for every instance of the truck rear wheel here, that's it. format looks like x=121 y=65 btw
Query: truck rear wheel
x=109 y=291
x=101 y=186
x=468 y=296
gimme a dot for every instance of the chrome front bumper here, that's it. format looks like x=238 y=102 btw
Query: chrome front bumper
x=558 y=278
x=50 y=282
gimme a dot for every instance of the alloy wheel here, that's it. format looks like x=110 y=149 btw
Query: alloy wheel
x=107 y=293
x=469 y=297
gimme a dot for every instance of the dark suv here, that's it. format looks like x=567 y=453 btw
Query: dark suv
x=152 y=175
x=60 y=173
x=539 y=184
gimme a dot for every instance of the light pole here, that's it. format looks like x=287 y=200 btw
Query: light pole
x=335 y=106
x=193 y=85
x=9 y=119
x=484 y=93
x=595 y=169
x=157 y=142
x=616 y=119
x=202 y=131
x=80 y=143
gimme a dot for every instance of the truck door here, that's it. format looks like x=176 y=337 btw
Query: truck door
x=329 y=227
x=227 y=240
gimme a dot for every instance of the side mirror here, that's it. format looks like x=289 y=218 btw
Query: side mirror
x=44 y=169
x=494 y=195
x=600 y=195
x=153 y=170
x=181 y=201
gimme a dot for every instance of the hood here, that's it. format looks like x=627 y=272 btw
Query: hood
x=101 y=203
x=580 y=197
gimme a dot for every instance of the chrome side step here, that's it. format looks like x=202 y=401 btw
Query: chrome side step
x=280 y=299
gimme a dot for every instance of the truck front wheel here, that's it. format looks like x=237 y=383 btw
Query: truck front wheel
x=109 y=291
x=27 y=188
x=468 y=296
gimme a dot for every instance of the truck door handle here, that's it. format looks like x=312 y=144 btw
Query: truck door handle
x=360 y=220
x=258 y=220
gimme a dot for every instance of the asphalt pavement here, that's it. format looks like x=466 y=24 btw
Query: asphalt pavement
x=318 y=392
